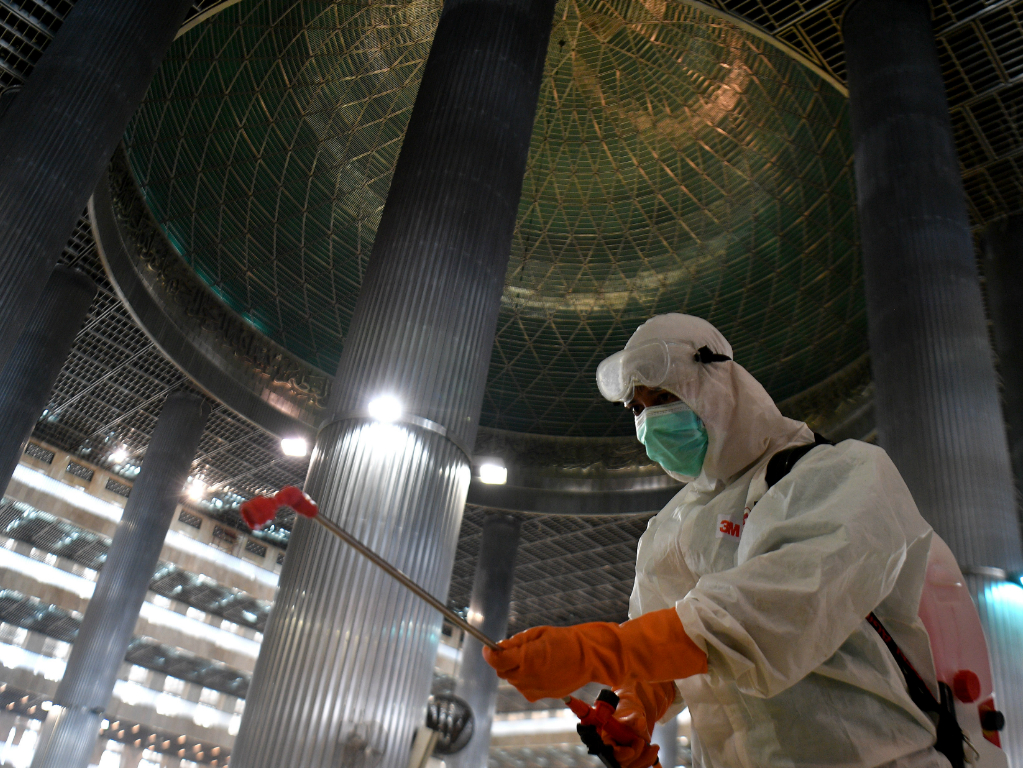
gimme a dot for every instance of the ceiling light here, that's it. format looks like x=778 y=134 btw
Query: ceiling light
x=196 y=489
x=386 y=408
x=493 y=474
x=118 y=456
x=294 y=446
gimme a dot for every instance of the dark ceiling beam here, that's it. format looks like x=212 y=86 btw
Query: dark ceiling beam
x=545 y=501
x=975 y=17
x=806 y=15
x=1014 y=82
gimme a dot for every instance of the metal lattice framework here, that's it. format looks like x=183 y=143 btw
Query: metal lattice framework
x=678 y=162
x=113 y=385
x=979 y=45
x=568 y=569
x=28 y=26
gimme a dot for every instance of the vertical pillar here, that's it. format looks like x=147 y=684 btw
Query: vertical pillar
x=72 y=725
x=1001 y=263
x=477 y=683
x=345 y=666
x=32 y=369
x=57 y=136
x=131 y=756
x=937 y=402
x=1002 y=266
x=666 y=736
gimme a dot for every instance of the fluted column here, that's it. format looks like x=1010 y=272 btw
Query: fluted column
x=937 y=403
x=666 y=736
x=58 y=134
x=477 y=683
x=72 y=725
x=32 y=369
x=999 y=605
x=1002 y=248
x=345 y=666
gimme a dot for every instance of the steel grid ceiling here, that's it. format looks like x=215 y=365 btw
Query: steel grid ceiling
x=979 y=45
x=28 y=26
x=112 y=388
x=677 y=163
x=568 y=569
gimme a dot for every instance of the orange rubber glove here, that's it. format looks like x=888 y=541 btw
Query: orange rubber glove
x=641 y=705
x=552 y=662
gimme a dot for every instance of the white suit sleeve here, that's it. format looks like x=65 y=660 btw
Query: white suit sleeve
x=818 y=553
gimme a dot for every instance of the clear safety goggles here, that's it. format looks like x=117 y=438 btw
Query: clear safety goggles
x=645 y=365
x=649 y=365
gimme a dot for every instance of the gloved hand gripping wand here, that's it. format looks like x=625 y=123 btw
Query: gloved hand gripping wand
x=260 y=510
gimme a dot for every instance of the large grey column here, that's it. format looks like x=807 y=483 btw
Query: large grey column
x=666 y=736
x=1002 y=264
x=937 y=402
x=477 y=683
x=346 y=662
x=58 y=134
x=72 y=726
x=32 y=369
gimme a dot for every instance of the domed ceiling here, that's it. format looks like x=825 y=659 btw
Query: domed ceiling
x=679 y=162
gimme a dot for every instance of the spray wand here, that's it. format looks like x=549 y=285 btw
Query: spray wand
x=260 y=510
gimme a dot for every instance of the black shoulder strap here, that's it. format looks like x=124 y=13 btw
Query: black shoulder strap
x=782 y=462
x=949 y=736
x=919 y=692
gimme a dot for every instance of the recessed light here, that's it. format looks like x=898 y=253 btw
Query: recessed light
x=294 y=446
x=386 y=408
x=493 y=474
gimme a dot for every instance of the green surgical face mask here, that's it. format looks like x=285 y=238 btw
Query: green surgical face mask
x=674 y=436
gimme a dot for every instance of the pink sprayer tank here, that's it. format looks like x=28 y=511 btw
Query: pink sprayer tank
x=960 y=652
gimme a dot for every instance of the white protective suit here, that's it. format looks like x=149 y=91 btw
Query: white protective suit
x=774 y=584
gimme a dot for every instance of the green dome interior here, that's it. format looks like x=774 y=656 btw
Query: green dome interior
x=679 y=162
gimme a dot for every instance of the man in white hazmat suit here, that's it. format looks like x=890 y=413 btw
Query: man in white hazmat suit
x=750 y=601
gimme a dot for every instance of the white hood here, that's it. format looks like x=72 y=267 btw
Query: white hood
x=741 y=418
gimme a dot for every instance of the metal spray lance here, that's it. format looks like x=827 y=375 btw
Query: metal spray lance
x=260 y=510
